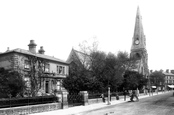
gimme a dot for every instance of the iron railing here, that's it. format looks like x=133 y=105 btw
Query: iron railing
x=14 y=102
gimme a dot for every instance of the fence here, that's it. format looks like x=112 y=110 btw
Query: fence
x=98 y=95
x=14 y=102
x=75 y=99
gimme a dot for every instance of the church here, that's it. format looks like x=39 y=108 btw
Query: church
x=138 y=48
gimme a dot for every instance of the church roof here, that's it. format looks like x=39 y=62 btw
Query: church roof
x=43 y=56
x=84 y=58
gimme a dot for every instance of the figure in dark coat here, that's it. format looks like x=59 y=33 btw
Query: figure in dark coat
x=134 y=94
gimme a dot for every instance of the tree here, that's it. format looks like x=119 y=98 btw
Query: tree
x=157 y=78
x=113 y=71
x=134 y=80
x=104 y=70
x=80 y=79
x=11 y=83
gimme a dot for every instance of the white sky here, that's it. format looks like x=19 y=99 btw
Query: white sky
x=59 y=25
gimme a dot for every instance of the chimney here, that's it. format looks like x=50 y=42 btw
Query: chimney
x=32 y=46
x=172 y=71
x=41 y=50
x=8 y=49
x=167 y=70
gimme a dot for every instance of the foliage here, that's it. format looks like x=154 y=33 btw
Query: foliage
x=11 y=83
x=134 y=80
x=80 y=79
x=36 y=71
x=105 y=70
x=157 y=78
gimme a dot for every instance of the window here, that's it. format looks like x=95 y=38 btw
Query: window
x=60 y=69
x=47 y=67
x=26 y=64
x=47 y=87
x=63 y=70
x=58 y=85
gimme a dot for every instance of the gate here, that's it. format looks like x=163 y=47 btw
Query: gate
x=75 y=100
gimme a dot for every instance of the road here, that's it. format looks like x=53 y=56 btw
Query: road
x=162 y=104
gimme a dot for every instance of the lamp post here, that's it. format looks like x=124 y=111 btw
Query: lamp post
x=149 y=85
x=109 y=96
x=10 y=99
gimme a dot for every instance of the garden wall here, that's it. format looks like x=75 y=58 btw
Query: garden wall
x=25 y=110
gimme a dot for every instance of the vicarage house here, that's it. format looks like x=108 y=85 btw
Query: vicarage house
x=50 y=71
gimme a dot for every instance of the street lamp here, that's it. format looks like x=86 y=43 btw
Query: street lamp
x=109 y=96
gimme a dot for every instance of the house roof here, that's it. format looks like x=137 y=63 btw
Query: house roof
x=170 y=74
x=18 y=50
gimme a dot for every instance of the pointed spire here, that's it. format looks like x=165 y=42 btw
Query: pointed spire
x=138 y=11
x=138 y=40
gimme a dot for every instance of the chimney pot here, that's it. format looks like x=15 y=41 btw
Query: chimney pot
x=8 y=49
x=32 y=46
x=41 y=50
x=167 y=70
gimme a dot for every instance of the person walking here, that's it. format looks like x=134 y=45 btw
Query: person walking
x=134 y=94
x=137 y=92
x=117 y=96
x=124 y=93
x=131 y=95
x=103 y=97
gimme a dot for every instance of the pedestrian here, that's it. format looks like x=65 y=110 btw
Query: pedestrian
x=146 y=91
x=151 y=90
x=131 y=95
x=103 y=97
x=138 y=92
x=124 y=93
x=110 y=97
x=157 y=90
x=134 y=94
x=117 y=96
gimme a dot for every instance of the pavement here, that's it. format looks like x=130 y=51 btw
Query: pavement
x=81 y=109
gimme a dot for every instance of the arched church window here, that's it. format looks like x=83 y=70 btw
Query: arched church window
x=137 y=56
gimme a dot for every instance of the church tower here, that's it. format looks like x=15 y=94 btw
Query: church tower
x=138 y=48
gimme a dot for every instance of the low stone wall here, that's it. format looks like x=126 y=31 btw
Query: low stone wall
x=25 y=110
x=99 y=100
x=93 y=101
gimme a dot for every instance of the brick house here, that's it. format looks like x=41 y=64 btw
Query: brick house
x=52 y=70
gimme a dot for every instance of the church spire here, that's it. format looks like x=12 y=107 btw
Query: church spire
x=138 y=49
x=138 y=40
x=138 y=11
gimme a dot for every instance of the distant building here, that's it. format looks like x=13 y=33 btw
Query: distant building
x=53 y=69
x=169 y=79
x=138 y=48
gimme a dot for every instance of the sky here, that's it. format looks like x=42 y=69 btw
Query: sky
x=60 y=25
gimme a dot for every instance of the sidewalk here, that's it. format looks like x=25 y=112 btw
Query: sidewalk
x=81 y=109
